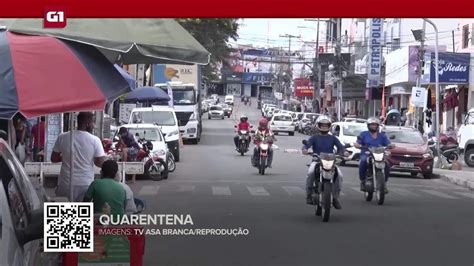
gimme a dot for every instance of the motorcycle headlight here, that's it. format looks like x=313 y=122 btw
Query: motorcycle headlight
x=328 y=175
x=160 y=152
x=378 y=157
x=191 y=130
x=428 y=155
x=327 y=165
x=264 y=146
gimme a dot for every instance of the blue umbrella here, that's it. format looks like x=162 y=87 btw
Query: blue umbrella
x=147 y=94
x=130 y=80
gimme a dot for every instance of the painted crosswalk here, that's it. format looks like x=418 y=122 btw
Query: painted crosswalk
x=296 y=191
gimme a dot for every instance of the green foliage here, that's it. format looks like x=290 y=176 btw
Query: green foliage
x=213 y=34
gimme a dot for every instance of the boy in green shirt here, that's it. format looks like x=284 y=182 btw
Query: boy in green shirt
x=107 y=190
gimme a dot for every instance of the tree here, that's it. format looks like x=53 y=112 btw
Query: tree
x=213 y=34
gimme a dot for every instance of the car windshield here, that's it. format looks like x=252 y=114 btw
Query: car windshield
x=182 y=95
x=470 y=118
x=150 y=134
x=300 y=116
x=402 y=136
x=353 y=130
x=162 y=118
x=283 y=118
x=216 y=108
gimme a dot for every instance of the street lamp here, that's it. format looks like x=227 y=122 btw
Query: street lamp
x=437 y=89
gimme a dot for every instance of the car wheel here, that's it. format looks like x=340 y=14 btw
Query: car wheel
x=467 y=155
x=209 y=117
x=414 y=174
x=428 y=175
x=176 y=155
x=292 y=133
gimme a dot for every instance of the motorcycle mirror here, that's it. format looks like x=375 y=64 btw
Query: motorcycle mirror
x=392 y=137
x=348 y=145
x=305 y=142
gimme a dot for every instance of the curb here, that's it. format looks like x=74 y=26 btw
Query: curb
x=457 y=181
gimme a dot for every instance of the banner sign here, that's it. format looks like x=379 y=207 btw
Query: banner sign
x=375 y=52
x=453 y=68
x=303 y=88
x=257 y=78
x=418 y=97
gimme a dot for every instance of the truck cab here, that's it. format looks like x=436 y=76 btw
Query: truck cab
x=186 y=103
x=466 y=138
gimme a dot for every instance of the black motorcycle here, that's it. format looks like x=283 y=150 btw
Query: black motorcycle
x=375 y=177
x=244 y=142
x=324 y=188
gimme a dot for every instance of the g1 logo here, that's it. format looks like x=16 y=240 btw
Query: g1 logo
x=54 y=18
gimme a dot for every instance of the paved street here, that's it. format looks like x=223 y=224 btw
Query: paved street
x=423 y=222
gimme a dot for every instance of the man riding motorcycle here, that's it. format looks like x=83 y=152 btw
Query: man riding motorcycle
x=367 y=139
x=262 y=133
x=323 y=143
x=243 y=125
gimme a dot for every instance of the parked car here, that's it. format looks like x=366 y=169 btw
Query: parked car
x=347 y=133
x=411 y=153
x=282 y=123
x=216 y=111
x=21 y=214
x=227 y=109
x=215 y=98
x=269 y=112
x=466 y=138
x=354 y=120
x=305 y=119
x=165 y=118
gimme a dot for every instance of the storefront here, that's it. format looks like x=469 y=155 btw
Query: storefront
x=454 y=72
x=233 y=83
x=251 y=81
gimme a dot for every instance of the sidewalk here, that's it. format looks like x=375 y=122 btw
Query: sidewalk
x=464 y=178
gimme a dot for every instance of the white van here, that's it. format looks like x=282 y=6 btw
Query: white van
x=165 y=118
x=229 y=99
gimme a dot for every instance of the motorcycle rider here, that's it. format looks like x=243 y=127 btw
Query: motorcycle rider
x=262 y=133
x=243 y=125
x=323 y=143
x=367 y=139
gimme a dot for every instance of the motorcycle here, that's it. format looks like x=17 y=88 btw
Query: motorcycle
x=244 y=141
x=375 y=181
x=263 y=150
x=155 y=167
x=323 y=191
x=449 y=148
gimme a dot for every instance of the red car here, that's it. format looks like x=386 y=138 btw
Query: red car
x=411 y=153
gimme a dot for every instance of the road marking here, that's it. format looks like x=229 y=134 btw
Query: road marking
x=293 y=190
x=149 y=190
x=466 y=194
x=258 y=191
x=438 y=194
x=221 y=191
x=404 y=192
x=186 y=188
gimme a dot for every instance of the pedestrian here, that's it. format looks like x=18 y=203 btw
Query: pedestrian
x=87 y=152
x=38 y=134
x=107 y=191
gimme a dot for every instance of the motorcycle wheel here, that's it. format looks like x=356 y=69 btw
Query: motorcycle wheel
x=319 y=210
x=327 y=201
x=152 y=173
x=171 y=163
x=369 y=195
x=451 y=157
x=263 y=162
x=380 y=187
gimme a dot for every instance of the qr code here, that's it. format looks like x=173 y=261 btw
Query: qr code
x=68 y=227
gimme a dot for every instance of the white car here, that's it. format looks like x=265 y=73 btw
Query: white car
x=347 y=133
x=270 y=111
x=266 y=107
x=215 y=98
x=305 y=119
x=282 y=123
x=466 y=138
x=165 y=118
x=216 y=111
x=229 y=99
x=354 y=120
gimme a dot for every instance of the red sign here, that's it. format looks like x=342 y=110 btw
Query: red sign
x=303 y=88
x=54 y=18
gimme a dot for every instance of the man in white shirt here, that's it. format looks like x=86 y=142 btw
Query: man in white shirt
x=87 y=152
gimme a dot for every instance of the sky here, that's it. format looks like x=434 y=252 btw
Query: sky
x=266 y=32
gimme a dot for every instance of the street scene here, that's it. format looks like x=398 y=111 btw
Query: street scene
x=346 y=142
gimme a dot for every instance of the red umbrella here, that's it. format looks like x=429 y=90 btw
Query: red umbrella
x=41 y=75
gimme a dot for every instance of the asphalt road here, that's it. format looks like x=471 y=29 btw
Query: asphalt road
x=423 y=222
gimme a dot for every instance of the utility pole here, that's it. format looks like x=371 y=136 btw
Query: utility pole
x=316 y=73
x=339 y=69
x=287 y=92
x=421 y=54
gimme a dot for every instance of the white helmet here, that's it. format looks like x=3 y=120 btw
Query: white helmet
x=323 y=119
x=371 y=121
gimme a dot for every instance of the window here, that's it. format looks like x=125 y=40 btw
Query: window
x=283 y=118
x=409 y=137
x=465 y=36
x=354 y=130
x=150 y=134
